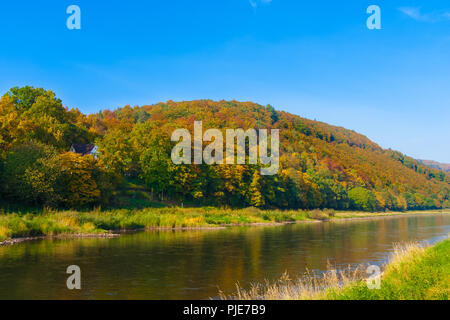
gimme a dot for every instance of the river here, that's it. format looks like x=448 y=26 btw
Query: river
x=196 y=264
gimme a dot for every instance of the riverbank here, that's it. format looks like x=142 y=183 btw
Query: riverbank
x=413 y=272
x=28 y=226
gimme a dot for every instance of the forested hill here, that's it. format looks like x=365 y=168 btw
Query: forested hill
x=436 y=165
x=321 y=166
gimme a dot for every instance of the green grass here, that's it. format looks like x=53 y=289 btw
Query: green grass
x=415 y=274
x=15 y=225
x=51 y=222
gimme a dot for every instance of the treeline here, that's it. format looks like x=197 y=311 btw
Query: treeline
x=321 y=166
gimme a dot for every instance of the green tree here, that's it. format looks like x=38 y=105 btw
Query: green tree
x=33 y=114
x=273 y=113
x=32 y=174
x=116 y=151
x=25 y=97
x=362 y=199
x=157 y=166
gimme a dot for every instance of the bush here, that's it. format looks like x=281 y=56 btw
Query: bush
x=252 y=210
x=446 y=204
x=317 y=215
x=330 y=212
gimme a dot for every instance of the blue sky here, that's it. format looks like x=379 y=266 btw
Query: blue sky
x=316 y=59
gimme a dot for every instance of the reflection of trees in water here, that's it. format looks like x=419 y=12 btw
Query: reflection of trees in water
x=189 y=264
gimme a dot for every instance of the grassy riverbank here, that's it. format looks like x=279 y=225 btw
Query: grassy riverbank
x=53 y=223
x=413 y=273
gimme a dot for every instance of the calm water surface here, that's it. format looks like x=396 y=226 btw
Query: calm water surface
x=194 y=264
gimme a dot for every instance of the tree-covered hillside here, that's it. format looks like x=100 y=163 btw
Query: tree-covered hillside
x=321 y=166
x=436 y=165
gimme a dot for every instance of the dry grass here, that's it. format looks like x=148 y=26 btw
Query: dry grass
x=404 y=253
x=405 y=263
x=310 y=286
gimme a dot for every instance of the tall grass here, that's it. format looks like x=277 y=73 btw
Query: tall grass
x=49 y=222
x=32 y=225
x=310 y=286
x=413 y=272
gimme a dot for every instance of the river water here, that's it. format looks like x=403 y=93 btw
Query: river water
x=196 y=264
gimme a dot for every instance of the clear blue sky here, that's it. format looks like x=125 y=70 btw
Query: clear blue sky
x=315 y=58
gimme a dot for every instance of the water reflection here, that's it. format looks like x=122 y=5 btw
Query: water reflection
x=193 y=264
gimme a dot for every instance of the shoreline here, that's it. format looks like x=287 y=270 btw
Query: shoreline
x=393 y=215
x=413 y=272
x=339 y=217
x=10 y=242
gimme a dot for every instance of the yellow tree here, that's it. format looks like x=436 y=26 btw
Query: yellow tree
x=9 y=120
x=256 y=198
x=80 y=186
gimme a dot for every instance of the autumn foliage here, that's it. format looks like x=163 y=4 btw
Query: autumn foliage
x=321 y=166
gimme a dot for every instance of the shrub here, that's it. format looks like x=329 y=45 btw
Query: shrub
x=317 y=215
x=330 y=213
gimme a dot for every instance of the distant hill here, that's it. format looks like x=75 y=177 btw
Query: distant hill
x=436 y=165
x=321 y=166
